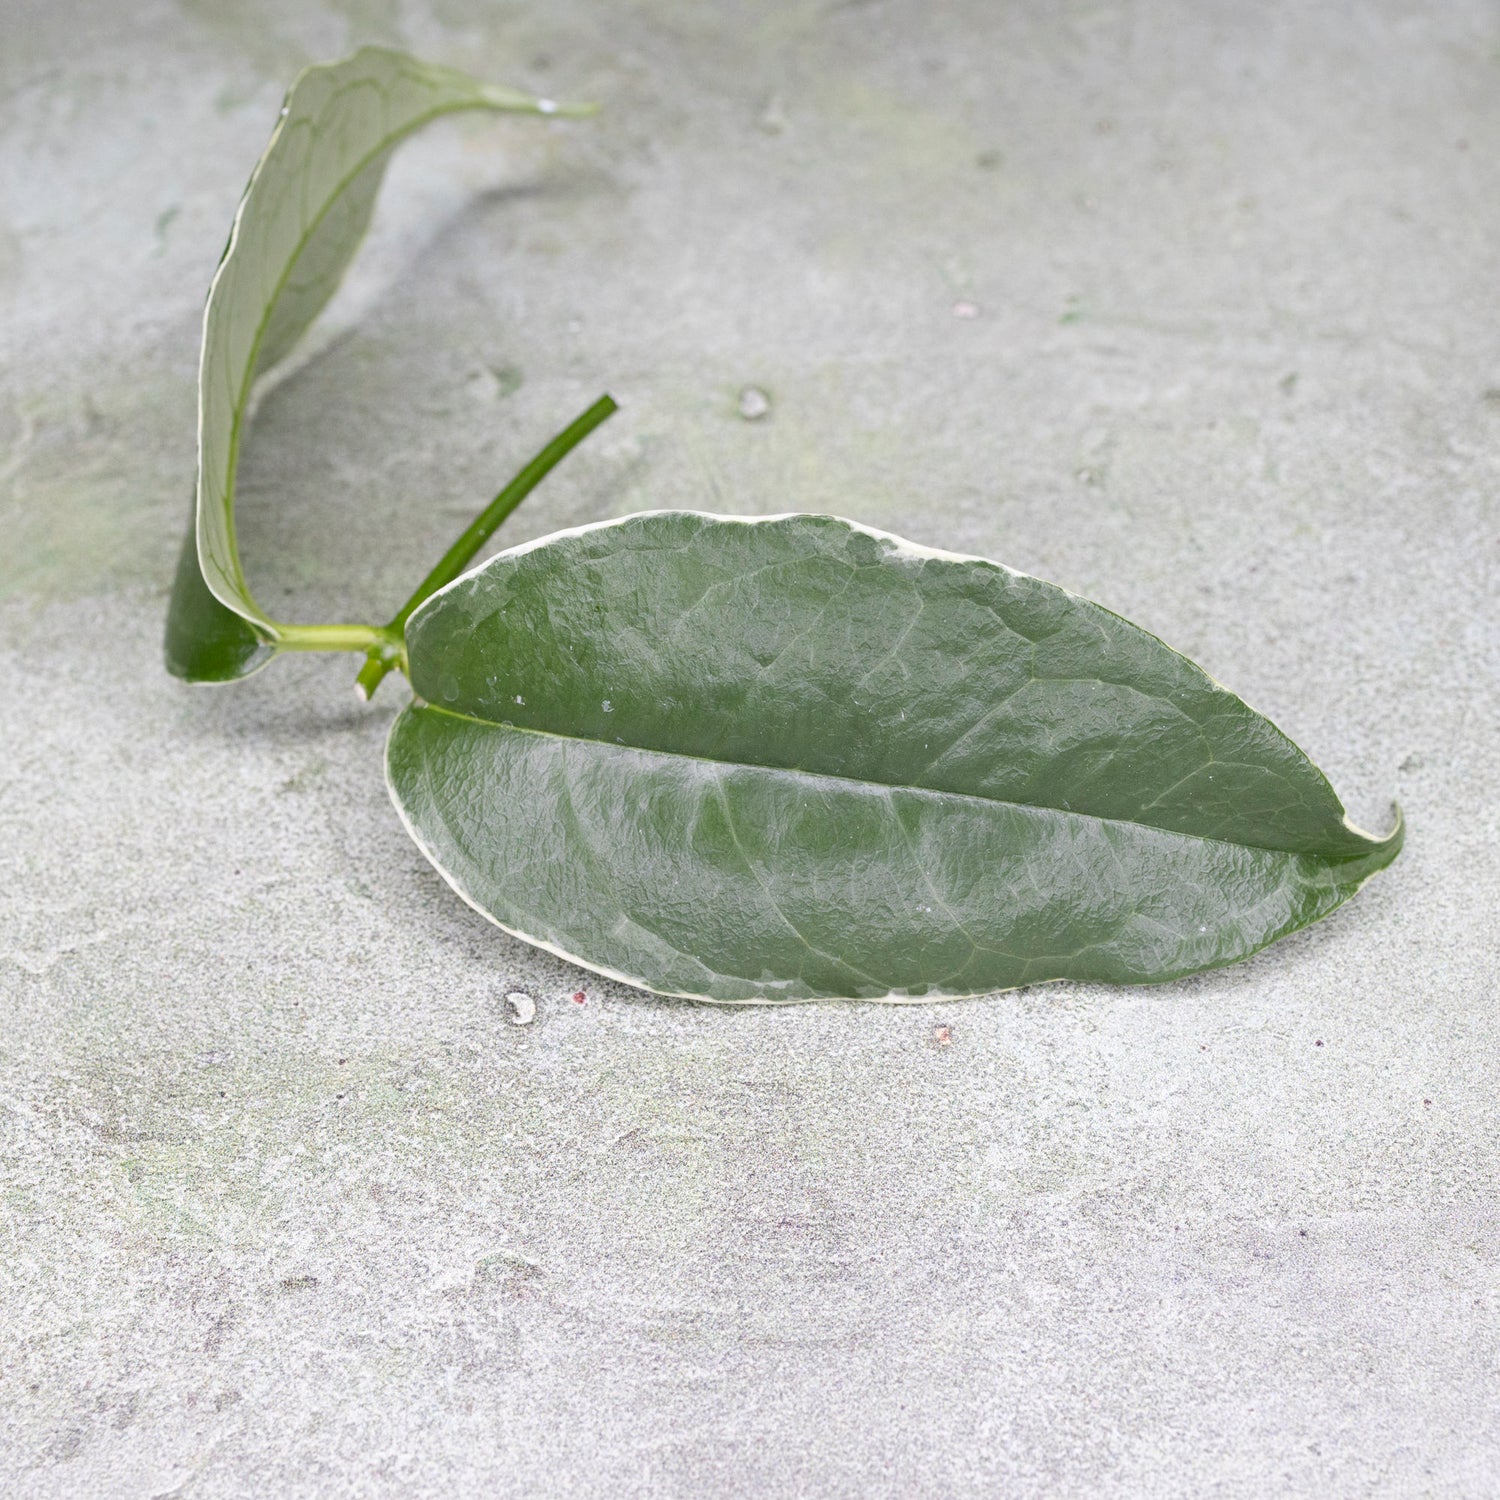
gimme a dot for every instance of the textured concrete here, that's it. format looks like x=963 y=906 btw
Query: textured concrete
x=1191 y=307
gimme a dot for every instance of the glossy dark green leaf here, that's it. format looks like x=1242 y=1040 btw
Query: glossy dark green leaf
x=299 y=224
x=793 y=758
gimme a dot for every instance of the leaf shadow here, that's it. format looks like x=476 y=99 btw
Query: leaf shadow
x=381 y=442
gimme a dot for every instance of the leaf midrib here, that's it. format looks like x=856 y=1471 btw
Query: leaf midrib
x=1329 y=860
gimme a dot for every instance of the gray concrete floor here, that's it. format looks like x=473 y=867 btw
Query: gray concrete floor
x=1191 y=307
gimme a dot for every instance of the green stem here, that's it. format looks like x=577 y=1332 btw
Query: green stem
x=390 y=649
x=487 y=522
x=332 y=637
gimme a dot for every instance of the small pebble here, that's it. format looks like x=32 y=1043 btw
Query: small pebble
x=754 y=403
x=523 y=1006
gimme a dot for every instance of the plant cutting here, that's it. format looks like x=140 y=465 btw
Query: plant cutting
x=757 y=759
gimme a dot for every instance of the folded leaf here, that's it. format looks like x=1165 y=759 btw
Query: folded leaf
x=299 y=224
x=794 y=758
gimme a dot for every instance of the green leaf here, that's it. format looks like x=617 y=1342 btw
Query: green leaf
x=794 y=758
x=204 y=641
x=299 y=224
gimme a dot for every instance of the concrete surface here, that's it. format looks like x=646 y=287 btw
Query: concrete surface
x=1192 y=307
